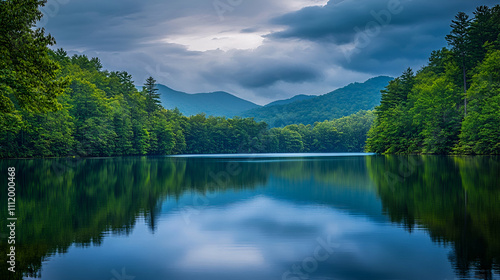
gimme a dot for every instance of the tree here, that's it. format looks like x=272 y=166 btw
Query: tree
x=480 y=133
x=435 y=110
x=326 y=137
x=392 y=131
x=27 y=74
x=459 y=40
x=152 y=97
x=397 y=91
x=290 y=141
x=162 y=140
x=93 y=64
x=430 y=118
x=483 y=29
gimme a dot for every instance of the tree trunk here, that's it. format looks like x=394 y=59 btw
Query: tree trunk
x=465 y=85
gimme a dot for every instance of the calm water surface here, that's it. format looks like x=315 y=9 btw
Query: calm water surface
x=343 y=216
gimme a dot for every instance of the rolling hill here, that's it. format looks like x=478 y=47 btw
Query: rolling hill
x=306 y=109
x=338 y=103
x=296 y=98
x=213 y=103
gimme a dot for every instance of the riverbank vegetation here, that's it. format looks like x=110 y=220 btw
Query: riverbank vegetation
x=101 y=113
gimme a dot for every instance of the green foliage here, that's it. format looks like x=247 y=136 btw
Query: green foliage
x=152 y=97
x=220 y=135
x=393 y=127
x=28 y=79
x=347 y=134
x=27 y=74
x=483 y=33
x=99 y=114
x=430 y=113
x=103 y=114
x=459 y=36
x=435 y=111
x=481 y=130
x=290 y=140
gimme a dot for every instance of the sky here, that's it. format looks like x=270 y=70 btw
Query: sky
x=259 y=50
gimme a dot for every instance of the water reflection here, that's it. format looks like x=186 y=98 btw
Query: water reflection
x=219 y=218
x=456 y=199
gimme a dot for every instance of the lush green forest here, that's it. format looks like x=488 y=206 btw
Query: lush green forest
x=54 y=105
x=101 y=113
x=452 y=105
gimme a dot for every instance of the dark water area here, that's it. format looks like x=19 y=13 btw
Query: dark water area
x=321 y=216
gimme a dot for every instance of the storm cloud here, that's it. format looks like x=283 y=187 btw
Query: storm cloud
x=258 y=50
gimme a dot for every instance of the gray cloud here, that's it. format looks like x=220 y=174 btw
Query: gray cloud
x=338 y=22
x=251 y=71
x=259 y=50
x=375 y=36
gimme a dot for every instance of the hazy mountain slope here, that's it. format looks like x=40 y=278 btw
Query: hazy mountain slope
x=296 y=98
x=338 y=103
x=214 y=103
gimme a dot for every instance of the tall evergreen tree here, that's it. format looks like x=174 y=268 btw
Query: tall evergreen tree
x=481 y=30
x=459 y=40
x=152 y=96
x=397 y=91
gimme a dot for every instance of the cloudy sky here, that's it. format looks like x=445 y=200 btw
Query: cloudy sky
x=260 y=50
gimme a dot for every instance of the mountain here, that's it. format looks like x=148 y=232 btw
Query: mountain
x=213 y=103
x=299 y=97
x=338 y=103
x=306 y=109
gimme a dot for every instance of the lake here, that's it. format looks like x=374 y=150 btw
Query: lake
x=236 y=217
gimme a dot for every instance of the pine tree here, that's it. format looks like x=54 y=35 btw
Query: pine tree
x=397 y=91
x=459 y=40
x=482 y=30
x=152 y=97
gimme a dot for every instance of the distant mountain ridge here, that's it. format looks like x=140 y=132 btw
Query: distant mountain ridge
x=217 y=103
x=338 y=103
x=306 y=109
x=296 y=98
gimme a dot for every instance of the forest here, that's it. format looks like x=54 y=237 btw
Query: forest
x=452 y=105
x=101 y=113
x=56 y=105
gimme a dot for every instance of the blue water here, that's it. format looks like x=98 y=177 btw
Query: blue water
x=327 y=216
